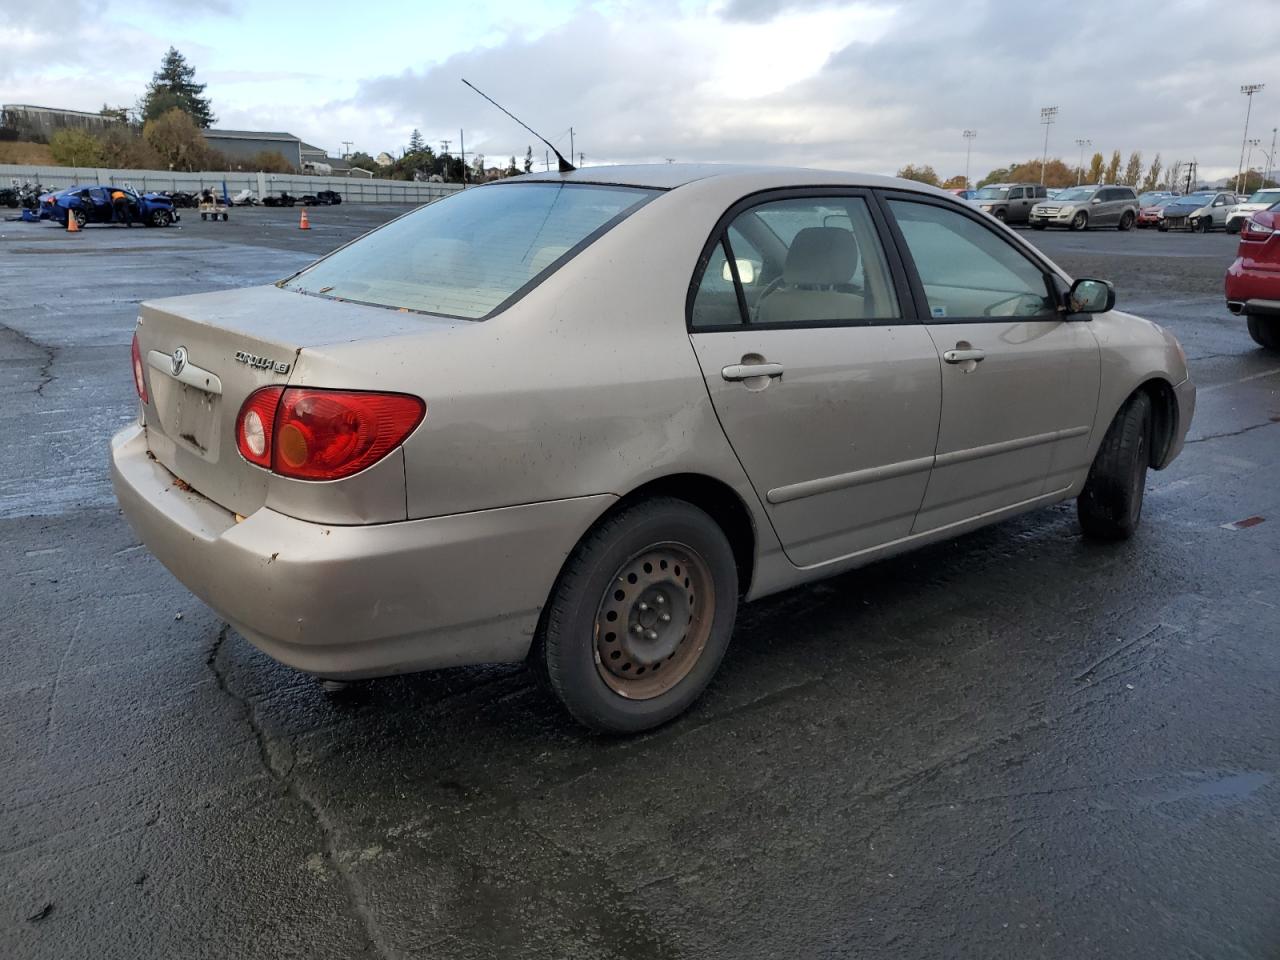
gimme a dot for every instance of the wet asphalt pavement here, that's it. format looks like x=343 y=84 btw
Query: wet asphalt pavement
x=1016 y=744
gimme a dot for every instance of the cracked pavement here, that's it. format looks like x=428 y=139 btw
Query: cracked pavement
x=1013 y=744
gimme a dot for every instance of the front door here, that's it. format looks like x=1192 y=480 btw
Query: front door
x=1019 y=383
x=828 y=396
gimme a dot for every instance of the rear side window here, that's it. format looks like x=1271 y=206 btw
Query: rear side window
x=469 y=255
x=968 y=271
x=811 y=260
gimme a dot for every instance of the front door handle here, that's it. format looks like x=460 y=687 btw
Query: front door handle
x=749 y=371
x=960 y=356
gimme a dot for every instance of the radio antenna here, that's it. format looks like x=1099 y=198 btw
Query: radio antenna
x=565 y=165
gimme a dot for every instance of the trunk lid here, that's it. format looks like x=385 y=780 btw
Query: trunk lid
x=204 y=354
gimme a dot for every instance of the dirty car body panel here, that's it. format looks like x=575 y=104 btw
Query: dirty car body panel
x=590 y=384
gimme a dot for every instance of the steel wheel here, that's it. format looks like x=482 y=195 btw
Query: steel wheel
x=654 y=620
x=82 y=218
x=623 y=575
x=1080 y=221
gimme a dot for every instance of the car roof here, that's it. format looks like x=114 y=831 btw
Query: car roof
x=668 y=176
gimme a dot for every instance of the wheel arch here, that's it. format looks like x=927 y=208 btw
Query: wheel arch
x=716 y=499
x=1164 y=418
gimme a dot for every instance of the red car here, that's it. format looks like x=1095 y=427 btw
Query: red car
x=1150 y=216
x=1253 y=280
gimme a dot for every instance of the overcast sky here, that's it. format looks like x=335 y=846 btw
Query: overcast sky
x=858 y=86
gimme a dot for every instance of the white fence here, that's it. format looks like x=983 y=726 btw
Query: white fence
x=353 y=189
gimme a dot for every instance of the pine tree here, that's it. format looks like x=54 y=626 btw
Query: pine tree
x=528 y=160
x=416 y=143
x=173 y=85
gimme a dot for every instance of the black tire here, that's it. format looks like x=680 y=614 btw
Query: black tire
x=1126 y=221
x=566 y=651
x=1080 y=221
x=1110 y=505
x=1204 y=225
x=1001 y=215
x=1233 y=226
x=1265 y=331
x=204 y=216
x=1162 y=228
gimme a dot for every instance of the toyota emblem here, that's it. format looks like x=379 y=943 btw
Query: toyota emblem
x=178 y=361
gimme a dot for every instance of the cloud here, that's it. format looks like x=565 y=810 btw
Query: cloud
x=868 y=87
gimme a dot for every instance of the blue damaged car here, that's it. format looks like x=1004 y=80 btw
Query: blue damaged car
x=91 y=203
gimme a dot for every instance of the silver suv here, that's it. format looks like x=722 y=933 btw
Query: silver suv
x=1082 y=207
x=1009 y=202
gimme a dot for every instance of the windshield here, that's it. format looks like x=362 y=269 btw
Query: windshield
x=1265 y=196
x=992 y=193
x=468 y=254
x=1076 y=193
x=1197 y=199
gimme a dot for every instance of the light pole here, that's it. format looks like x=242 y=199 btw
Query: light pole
x=968 y=151
x=1082 y=143
x=1248 y=89
x=1248 y=163
x=1047 y=116
x=1272 y=154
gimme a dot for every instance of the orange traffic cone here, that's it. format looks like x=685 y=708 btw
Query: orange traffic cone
x=72 y=225
x=303 y=222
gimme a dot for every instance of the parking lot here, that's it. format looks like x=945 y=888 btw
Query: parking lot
x=1014 y=744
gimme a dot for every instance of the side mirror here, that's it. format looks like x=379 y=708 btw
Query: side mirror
x=1091 y=296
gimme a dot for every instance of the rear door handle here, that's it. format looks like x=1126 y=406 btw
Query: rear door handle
x=960 y=356
x=748 y=371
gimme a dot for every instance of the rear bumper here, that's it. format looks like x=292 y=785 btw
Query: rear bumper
x=1252 y=288
x=357 y=601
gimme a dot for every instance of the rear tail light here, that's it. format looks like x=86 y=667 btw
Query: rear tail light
x=312 y=434
x=139 y=374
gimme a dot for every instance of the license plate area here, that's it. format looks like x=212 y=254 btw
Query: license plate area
x=189 y=416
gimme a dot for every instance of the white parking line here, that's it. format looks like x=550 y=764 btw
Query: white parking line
x=1232 y=383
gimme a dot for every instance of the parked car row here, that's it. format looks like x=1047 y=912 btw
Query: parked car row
x=1109 y=205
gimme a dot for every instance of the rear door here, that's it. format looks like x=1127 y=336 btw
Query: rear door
x=1019 y=383
x=828 y=395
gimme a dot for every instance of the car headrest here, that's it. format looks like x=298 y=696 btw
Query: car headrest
x=823 y=256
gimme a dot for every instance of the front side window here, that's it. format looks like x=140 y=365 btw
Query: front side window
x=807 y=260
x=967 y=270
x=467 y=255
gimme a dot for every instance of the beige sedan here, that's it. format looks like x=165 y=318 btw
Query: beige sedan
x=575 y=419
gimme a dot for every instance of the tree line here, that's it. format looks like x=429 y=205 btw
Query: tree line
x=163 y=130
x=1134 y=173
x=417 y=161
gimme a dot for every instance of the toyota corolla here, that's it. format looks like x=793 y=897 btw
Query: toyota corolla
x=575 y=419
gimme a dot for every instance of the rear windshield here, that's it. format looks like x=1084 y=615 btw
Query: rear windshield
x=466 y=256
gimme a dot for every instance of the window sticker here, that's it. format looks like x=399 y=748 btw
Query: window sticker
x=939 y=311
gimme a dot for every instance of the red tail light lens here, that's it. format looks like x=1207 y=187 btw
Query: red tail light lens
x=254 y=424
x=139 y=374
x=312 y=434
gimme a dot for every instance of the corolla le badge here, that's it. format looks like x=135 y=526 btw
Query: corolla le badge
x=261 y=363
x=178 y=361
